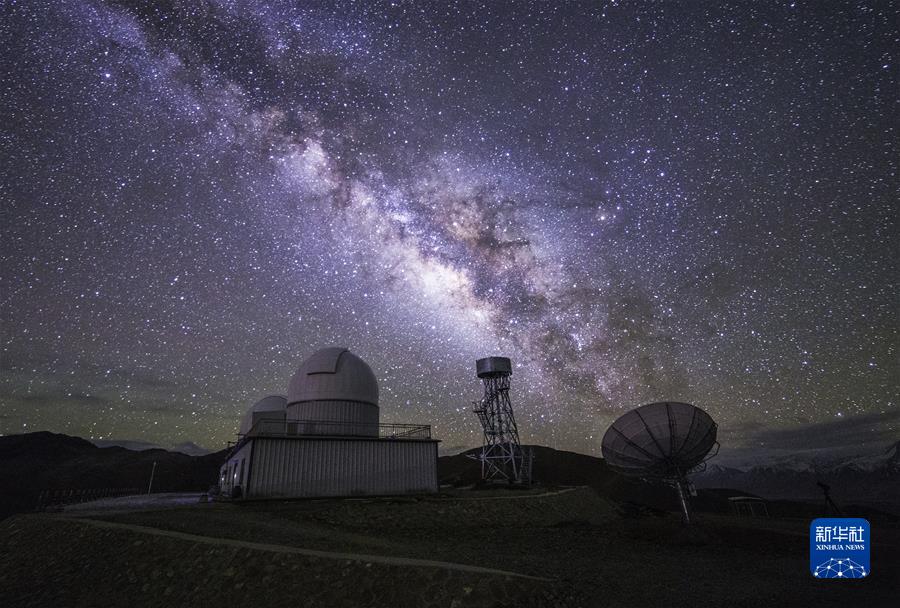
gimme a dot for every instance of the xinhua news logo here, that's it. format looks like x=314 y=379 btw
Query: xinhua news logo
x=839 y=547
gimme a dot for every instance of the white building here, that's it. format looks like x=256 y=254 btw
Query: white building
x=325 y=439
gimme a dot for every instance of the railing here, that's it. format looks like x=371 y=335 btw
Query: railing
x=300 y=428
x=50 y=498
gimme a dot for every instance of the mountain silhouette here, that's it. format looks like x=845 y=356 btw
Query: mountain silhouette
x=34 y=462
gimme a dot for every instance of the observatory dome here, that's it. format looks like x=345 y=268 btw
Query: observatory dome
x=338 y=389
x=333 y=374
x=271 y=407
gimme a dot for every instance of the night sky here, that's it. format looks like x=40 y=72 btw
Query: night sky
x=635 y=201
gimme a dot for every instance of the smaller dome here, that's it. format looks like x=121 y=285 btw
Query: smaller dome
x=272 y=403
x=271 y=407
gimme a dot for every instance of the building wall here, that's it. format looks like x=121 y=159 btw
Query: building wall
x=235 y=470
x=252 y=418
x=354 y=417
x=286 y=467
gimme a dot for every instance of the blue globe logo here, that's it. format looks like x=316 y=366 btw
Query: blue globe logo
x=840 y=568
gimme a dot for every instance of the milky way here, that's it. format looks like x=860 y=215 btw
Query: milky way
x=634 y=201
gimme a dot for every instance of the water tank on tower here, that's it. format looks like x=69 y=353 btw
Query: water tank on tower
x=502 y=457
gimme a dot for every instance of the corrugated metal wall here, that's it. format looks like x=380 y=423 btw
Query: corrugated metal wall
x=341 y=467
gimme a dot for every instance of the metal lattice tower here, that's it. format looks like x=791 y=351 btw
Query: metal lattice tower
x=502 y=457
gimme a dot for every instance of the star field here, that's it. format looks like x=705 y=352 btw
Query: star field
x=634 y=201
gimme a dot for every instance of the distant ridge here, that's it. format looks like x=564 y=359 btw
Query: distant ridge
x=137 y=446
x=188 y=447
x=44 y=461
x=872 y=479
x=34 y=462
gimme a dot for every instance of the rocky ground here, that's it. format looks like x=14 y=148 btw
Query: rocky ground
x=568 y=548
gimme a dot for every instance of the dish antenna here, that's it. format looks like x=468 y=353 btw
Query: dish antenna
x=662 y=441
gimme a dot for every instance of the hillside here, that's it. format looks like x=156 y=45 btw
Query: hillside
x=480 y=549
x=556 y=467
x=872 y=492
x=34 y=462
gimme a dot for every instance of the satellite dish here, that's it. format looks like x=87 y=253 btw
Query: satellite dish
x=664 y=441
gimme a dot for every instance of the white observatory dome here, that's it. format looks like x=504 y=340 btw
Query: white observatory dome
x=336 y=388
x=269 y=408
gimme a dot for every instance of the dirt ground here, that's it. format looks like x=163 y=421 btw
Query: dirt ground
x=585 y=551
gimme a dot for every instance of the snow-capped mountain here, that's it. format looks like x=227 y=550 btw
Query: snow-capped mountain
x=188 y=447
x=866 y=477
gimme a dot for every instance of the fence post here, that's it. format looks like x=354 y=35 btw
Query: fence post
x=152 y=472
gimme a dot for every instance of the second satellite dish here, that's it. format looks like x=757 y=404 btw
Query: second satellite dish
x=664 y=441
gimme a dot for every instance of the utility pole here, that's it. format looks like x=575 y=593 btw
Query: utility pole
x=150 y=487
